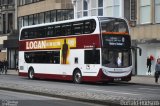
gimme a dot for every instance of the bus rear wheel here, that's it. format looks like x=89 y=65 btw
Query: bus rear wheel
x=31 y=73
x=77 y=77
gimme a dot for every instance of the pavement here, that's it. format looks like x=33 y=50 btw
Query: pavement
x=137 y=79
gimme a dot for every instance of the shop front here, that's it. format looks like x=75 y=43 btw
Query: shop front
x=12 y=53
x=147 y=61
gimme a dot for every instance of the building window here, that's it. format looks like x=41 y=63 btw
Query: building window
x=20 y=22
x=35 y=19
x=25 y=21
x=28 y=1
x=53 y=16
x=112 y=8
x=157 y=13
x=100 y=7
x=116 y=8
x=24 y=2
x=93 y=10
x=4 y=23
x=145 y=11
x=10 y=2
x=109 y=8
x=45 y=17
x=30 y=20
x=10 y=23
x=85 y=8
x=4 y=2
x=41 y=18
x=79 y=8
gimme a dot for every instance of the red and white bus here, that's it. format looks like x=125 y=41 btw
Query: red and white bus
x=88 y=49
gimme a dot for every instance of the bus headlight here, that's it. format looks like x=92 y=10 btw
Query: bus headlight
x=21 y=68
x=104 y=71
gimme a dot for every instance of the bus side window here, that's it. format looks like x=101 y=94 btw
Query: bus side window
x=66 y=29
x=31 y=33
x=92 y=26
x=63 y=30
x=91 y=58
x=24 y=34
x=50 y=31
x=78 y=28
x=58 y=30
x=41 y=31
x=87 y=28
x=69 y=29
x=56 y=57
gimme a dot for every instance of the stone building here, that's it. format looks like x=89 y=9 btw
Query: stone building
x=143 y=17
x=25 y=13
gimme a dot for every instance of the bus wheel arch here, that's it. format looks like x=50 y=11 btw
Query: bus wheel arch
x=77 y=76
x=31 y=73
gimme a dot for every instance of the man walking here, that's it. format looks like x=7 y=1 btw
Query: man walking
x=5 y=66
x=1 y=67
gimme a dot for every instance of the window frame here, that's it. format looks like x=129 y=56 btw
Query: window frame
x=156 y=13
x=142 y=6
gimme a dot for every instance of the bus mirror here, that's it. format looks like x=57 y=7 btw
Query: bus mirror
x=140 y=51
x=135 y=48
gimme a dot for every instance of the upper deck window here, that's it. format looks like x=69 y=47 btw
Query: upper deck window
x=113 y=25
x=64 y=29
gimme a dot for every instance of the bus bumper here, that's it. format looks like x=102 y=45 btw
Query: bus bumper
x=101 y=77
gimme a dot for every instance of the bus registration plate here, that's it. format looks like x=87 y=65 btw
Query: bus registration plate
x=117 y=79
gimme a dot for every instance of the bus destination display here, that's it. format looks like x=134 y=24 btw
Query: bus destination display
x=116 y=41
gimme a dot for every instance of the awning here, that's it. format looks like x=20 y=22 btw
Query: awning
x=10 y=43
x=1 y=47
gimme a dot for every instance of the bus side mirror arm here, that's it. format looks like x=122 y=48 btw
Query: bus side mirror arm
x=140 y=50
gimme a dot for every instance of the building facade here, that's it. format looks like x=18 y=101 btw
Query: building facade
x=146 y=34
x=143 y=17
x=110 y=8
x=7 y=26
x=30 y=12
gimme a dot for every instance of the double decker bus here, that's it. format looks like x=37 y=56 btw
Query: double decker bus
x=92 y=49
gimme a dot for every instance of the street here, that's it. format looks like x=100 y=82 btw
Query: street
x=114 y=92
x=9 y=98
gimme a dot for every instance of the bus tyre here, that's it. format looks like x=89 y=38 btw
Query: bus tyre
x=31 y=73
x=77 y=77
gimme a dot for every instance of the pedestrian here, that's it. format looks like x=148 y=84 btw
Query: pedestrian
x=149 y=65
x=1 y=67
x=17 y=66
x=5 y=66
x=157 y=70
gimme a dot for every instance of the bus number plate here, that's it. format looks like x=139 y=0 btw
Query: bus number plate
x=117 y=79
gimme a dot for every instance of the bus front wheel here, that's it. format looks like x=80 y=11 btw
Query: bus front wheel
x=31 y=73
x=77 y=77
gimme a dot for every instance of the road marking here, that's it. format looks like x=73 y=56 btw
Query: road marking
x=149 y=89
x=117 y=92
